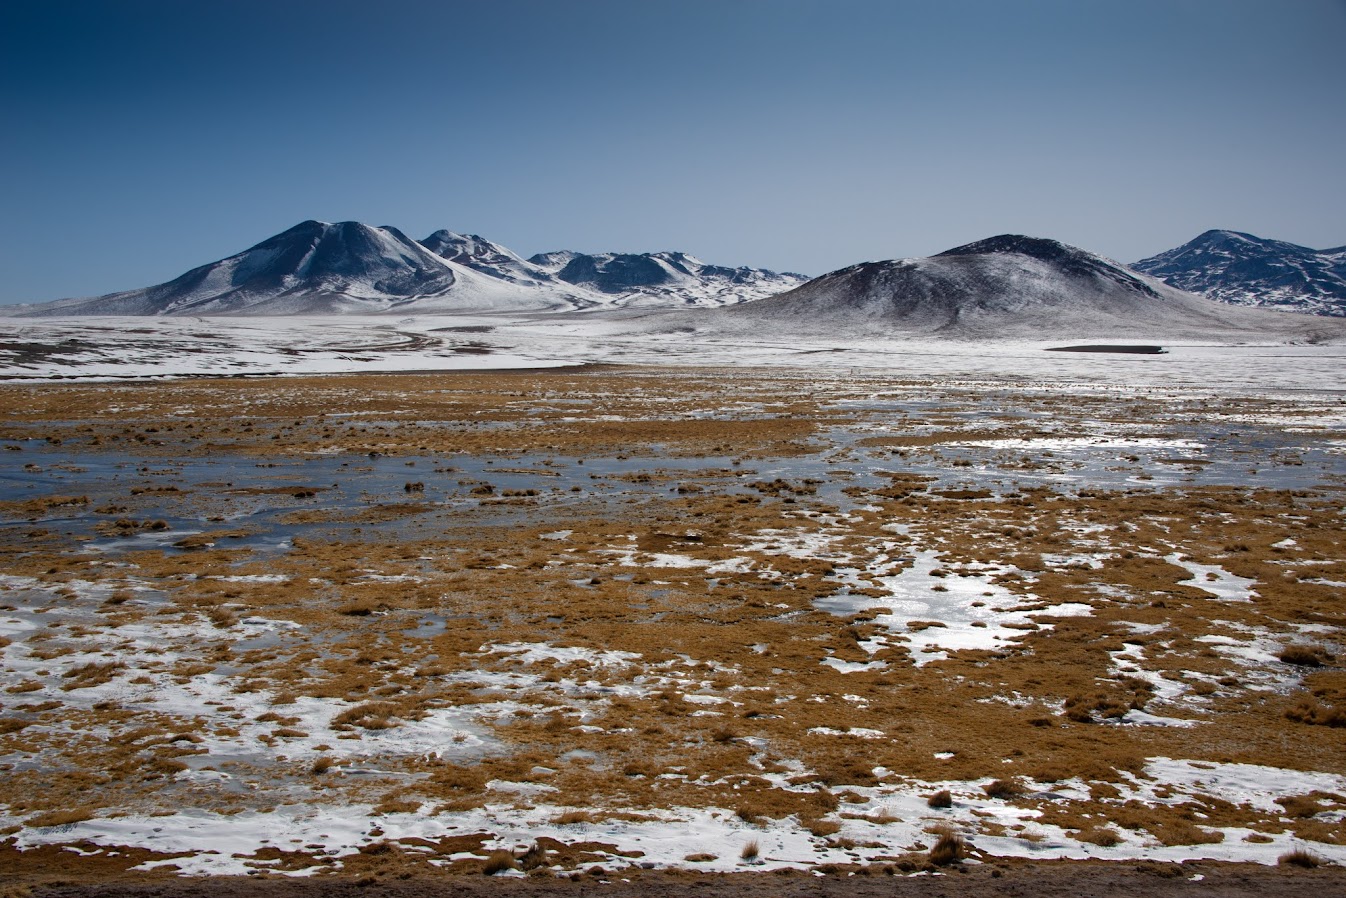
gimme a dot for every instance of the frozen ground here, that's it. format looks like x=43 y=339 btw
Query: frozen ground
x=166 y=347
x=648 y=618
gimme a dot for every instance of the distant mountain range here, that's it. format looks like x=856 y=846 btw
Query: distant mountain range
x=1011 y=287
x=1239 y=268
x=1007 y=286
x=318 y=268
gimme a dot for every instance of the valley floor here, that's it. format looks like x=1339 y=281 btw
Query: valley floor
x=617 y=622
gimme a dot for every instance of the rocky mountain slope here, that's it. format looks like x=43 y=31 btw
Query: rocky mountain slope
x=656 y=279
x=320 y=268
x=1245 y=270
x=1012 y=287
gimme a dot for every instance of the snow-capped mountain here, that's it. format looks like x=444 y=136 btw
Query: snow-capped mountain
x=660 y=279
x=348 y=267
x=487 y=257
x=1013 y=287
x=313 y=268
x=1251 y=271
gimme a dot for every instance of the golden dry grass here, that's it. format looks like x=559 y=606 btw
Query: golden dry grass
x=727 y=680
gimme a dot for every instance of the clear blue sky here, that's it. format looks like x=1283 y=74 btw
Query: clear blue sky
x=145 y=137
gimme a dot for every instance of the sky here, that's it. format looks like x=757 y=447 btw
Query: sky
x=145 y=137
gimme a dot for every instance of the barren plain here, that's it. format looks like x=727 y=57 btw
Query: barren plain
x=624 y=621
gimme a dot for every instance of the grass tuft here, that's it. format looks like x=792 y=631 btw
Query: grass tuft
x=1299 y=806
x=1002 y=789
x=1300 y=857
x=1315 y=714
x=1103 y=836
x=1302 y=655
x=498 y=862
x=948 y=849
x=941 y=799
x=822 y=828
x=534 y=857
x=750 y=851
x=59 y=818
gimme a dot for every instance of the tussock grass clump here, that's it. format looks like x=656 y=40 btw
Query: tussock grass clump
x=823 y=828
x=358 y=609
x=950 y=848
x=1103 y=836
x=1002 y=789
x=750 y=851
x=498 y=862
x=1304 y=655
x=749 y=813
x=1300 y=857
x=165 y=766
x=641 y=767
x=322 y=765
x=1315 y=714
x=93 y=674
x=941 y=799
x=534 y=857
x=397 y=804
x=60 y=817
x=1300 y=806
x=1184 y=832
x=1089 y=708
x=369 y=716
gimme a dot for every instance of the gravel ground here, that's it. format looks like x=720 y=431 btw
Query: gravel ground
x=1038 y=879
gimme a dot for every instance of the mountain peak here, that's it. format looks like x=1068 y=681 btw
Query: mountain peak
x=1223 y=234
x=1247 y=270
x=319 y=267
x=1036 y=247
x=1063 y=257
x=1005 y=287
x=656 y=278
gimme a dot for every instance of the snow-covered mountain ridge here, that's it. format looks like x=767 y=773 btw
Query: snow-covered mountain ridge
x=658 y=279
x=352 y=268
x=1011 y=287
x=1245 y=270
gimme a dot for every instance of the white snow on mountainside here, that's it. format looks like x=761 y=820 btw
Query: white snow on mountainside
x=312 y=266
x=1012 y=287
x=1239 y=268
x=987 y=309
x=316 y=268
x=653 y=280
